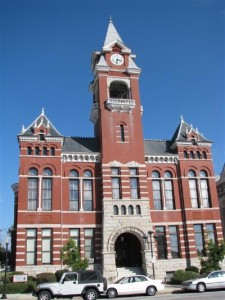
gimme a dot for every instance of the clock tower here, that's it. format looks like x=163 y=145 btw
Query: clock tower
x=116 y=114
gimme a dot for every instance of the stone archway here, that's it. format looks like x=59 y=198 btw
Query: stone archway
x=128 y=251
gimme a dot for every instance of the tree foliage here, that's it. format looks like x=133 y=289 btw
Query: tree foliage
x=70 y=256
x=214 y=255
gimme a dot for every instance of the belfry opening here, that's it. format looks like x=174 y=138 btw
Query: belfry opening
x=128 y=251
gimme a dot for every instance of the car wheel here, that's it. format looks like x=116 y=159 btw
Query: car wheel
x=44 y=295
x=91 y=294
x=111 y=293
x=201 y=287
x=151 y=290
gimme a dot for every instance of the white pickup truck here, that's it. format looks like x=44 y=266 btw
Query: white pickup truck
x=89 y=284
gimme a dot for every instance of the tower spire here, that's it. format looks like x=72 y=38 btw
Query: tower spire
x=112 y=34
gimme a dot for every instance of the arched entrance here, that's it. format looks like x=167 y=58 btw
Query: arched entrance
x=128 y=251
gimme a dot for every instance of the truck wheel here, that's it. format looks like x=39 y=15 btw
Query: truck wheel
x=90 y=294
x=44 y=295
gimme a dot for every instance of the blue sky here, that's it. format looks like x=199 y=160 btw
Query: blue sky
x=45 y=55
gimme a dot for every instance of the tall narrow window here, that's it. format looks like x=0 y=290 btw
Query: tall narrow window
x=115 y=210
x=116 y=185
x=156 y=186
x=168 y=185
x=199 y=241
x=193 y=189
x=52 y=151
x=210 y=229
x=31 y=246
x=174 y=242
x=161 y=242
x=45 y=151
x=47 y=190
x=75 y=235
x=29 y=150
x=122 y=135
x=134 y=186
x=37 y=151
x=204 y=189
x=88 y=191
x=123 y=210
x=32 y=189
x=74 y=190
x=138 y=210
x=46 y=246
x=89 y=244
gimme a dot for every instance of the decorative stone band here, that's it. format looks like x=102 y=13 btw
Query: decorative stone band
x=81 y=157
x=161 y=159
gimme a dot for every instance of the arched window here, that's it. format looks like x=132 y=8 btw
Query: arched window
x=123 y=210
x=37 y=151
x=193 y=189
x=204 y=186
x=118 y=90
x=192 y=156
x=115 y=210
x=185 y=154
x=32 y=189
x=130 y=210
x=45 y=151
x=198 y=154
x=138 y=210
x=204 y=155
x=122 y=135
x=47 y=190
x=168 y=190
x=74 y=190
x=52 y=151
x=88 y=191
x=157 y=192
x=29 y=150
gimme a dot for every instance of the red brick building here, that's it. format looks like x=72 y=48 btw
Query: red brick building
x=109 y=191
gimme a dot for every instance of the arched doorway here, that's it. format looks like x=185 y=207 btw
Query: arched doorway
x=128 y=251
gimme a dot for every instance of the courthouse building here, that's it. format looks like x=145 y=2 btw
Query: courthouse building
x=145 y=205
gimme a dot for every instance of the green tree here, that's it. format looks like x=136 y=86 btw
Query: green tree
x=70 y=256
x=214 y=255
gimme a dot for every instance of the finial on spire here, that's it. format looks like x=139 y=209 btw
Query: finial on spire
x=181 y=118
x=43 y=111
x=110 y=19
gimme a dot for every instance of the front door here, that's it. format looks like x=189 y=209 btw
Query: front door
x=128 y=251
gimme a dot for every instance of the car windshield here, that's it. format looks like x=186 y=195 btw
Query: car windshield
x=204 y=275
x=119 y=281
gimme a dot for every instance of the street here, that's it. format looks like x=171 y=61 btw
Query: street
x=176 y=295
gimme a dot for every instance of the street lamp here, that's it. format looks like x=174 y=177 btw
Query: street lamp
x=145 y=237
x=6 y=267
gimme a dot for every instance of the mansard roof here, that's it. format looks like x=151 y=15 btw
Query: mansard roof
x=158 y=148
x=184 y=132
x=40 y=121
x=80 y=144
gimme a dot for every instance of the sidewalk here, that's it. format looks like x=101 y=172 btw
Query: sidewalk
x=168 y=290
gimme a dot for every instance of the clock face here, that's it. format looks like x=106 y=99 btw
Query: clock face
x=117 y=59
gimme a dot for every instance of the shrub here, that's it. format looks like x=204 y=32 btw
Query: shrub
x=180 y=275
x=46 y=277
x=192 y=269
x=15 y=288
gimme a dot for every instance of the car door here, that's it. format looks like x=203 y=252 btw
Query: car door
x=127 y=286
x=213 y=281
x=140 y=285
x=69 y=286
x=222 y=279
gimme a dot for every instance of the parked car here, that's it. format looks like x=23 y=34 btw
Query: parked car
x=133 y=285
x=210 y=280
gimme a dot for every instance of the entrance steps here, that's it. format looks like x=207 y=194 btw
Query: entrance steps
x=126 y=271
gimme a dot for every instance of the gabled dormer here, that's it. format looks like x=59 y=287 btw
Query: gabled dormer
x=186 y=134
x=40 y=130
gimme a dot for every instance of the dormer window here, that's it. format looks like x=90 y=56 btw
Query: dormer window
x=41 y=136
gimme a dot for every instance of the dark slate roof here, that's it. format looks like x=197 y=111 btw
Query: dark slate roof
x=158 y=147
x=79 y=144
x=181 y=133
